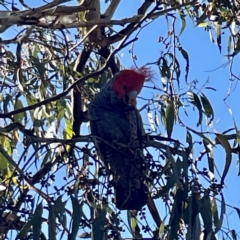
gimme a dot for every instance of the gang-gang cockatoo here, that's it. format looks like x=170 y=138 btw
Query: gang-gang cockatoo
x=117 y=123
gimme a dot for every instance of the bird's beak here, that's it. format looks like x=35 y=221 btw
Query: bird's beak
x=132 y=98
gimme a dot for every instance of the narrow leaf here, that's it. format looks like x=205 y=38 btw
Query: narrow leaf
x=185 y=56
x=170 y=117
x=98 y=226
x=208 y=110
x=194 y=99
x=224 y=142
x=76 y=218
x=218 y=31
x=18 y=105
x=183 y=19
x=37 y=221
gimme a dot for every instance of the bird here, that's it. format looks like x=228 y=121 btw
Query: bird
x=117 y=124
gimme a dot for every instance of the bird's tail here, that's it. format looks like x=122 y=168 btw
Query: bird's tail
x=131 y=199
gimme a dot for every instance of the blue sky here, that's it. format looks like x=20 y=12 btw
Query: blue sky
x=204 y=58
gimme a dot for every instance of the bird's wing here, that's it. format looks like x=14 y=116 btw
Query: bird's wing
x=99 y=145
x=119 y=156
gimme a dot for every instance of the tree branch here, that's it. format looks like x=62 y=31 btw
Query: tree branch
x=79 y=81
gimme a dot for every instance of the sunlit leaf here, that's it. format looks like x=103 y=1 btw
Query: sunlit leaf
x=151 y=120
x=183 y=19
x=18 y=105
x=68 y=131
x=203 y=24
x=204 y=16
x=2 y=188
x=36 y=50
x=161 y=230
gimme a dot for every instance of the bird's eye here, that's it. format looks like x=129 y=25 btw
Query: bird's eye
x=125 y=87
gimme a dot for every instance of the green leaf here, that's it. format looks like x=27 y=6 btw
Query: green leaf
x=185 y=56
x=46 y=158
x=176 y=214
x=194 y=99
x=6 y=143
x=218 y=31
x=18 y=105
x=208 y=110
x=134 y=228
x=5 y=152
x=224 y=142
x=30 y=101
x=230 y=39
x=161 y=230
x=215 y=211
x=189 y=138
x=41 y=69
x=3 y=163
x=218 y=224
x=175 y=168
x=164 y=68
x=76 y=218
x=7 y=100
x=68 y=131
x=37 y=221
x=191 y=217
x=207 y=140
x=203 y=24
x=59 y=207
x=238 y=211
x=208 y=148
x=170 y=117
x=183 y=19
x=52 y=226
x=177 y=71
x=98 y=226
x=61 y=106
x=206 y=212
x=25 y=230
x=236 y=48
x=36 y=50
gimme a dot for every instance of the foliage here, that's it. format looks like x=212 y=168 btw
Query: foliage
x=53 y=185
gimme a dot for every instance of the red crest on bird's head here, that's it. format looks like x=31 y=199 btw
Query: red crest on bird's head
x=129 y=80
